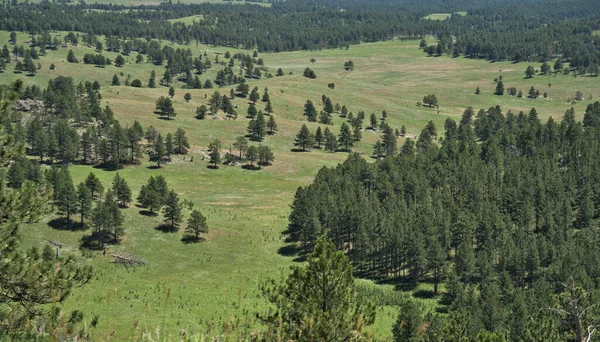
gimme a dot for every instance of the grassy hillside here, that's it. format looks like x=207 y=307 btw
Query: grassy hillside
x=203 y=286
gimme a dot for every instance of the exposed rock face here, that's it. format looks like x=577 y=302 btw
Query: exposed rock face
x=35 y=106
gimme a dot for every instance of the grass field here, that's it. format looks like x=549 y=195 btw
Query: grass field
x=442 y=16
x=203 y=286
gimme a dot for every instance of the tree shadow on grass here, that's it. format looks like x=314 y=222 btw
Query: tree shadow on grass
x=94 y=241
x=153 y=167
x=187 y=239
x=298 y=150
x=61 y=223
x=167 y=228
x=212 y=167
x=147 y=212
x=292 y=250
x=424 y=294
x=250 y=167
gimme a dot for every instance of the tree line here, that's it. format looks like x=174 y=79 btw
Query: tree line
x=498 y=209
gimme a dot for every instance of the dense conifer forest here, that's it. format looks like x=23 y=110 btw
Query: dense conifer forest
x=501 y=206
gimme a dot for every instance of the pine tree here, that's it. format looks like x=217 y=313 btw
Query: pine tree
x=115 y=80
x=331 y=144
x=93 y=183
x=159 y=150
x=196 y=225
x=308 y=313
x=499 y=88
x=171 y=92
x=84 y=198
x=172 y=209
x=269 y=107
x=121 y=190
x=107 y=219
x=408 y=326
x=272 y=125
x=252 y=110
x=241 y=144
x=310 y=111
x=529 y=72
x=378 y=150
x=215 y=153
x=345 y=138
x=319 y=137
x=252 y=155
x=389 y=142
x=181 y=142
x=265 y=155
x=67 y=196
x=304 y=139
x=374 y=122
x=169 y=147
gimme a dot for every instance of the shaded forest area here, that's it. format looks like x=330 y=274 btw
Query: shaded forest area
x=503 y=210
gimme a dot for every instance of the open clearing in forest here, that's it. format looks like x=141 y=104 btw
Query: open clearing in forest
x=201 y=286
x=442 y=16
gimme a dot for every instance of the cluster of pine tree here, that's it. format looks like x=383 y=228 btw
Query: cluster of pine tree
x=503 y=209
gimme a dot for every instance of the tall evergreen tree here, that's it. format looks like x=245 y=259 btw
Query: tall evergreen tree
x=318 y=302
x=172 y=209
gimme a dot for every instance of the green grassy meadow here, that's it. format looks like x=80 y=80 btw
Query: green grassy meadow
x=212 y=286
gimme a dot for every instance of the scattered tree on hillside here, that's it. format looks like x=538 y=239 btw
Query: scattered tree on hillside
x=196 y=225
x=304 y=139
x=172 y=210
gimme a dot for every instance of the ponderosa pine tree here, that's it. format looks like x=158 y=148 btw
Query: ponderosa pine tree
x=159 y=150
x=107 y=220
x=84 y=199
x=215 y=153
x=265 y=156
x=529 y=72
x=374 y=122
x=67 y=195
x=93 y=183
x=121 y=190
x=389 y=142
x=172 y=210
x=310 y=111
x=181 y=142
x=241 y=144
x=252 y=110
x=499 y=88
x=331 y=144
x=252 y=155
x=409 y=324
x=169 y=147
x=201 y=112
x=272 y=125
x=345 y=138
x=196 y=225
x=319 y=137
x=304 y=139
x=306 y=311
